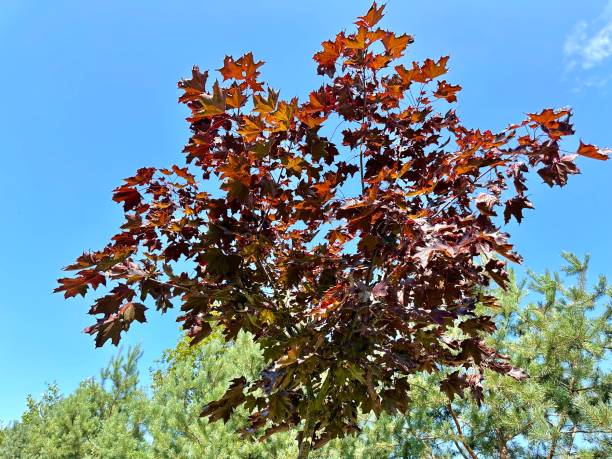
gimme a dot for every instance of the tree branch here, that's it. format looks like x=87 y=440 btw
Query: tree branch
x=460 y=432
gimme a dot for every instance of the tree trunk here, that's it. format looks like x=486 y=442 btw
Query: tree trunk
x=304 y=449
x=503 y=449
x=305 y=441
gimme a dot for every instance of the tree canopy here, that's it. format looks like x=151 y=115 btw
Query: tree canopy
x=352 y=261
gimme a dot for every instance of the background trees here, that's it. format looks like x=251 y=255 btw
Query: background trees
x=103 y=418
x=555 y=325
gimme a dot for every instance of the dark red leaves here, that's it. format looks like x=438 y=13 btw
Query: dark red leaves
x=496 y=270
x=514 y=208
x=454 y=384
x=225 y=406
x=558 y=169
x=80 y=284
x=106 y=329
x=347 y=293
x=129 y=196
x=219 y=264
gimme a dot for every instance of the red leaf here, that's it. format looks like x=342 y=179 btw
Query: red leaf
x=194 y=87
x=225 y=406
x=80 y=284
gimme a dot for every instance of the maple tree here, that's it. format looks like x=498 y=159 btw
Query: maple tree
x=350 y=261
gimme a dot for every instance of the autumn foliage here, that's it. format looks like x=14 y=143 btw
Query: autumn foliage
x=352 y=233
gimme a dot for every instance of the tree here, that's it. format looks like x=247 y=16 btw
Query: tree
x=349 y=261
x=94 y=422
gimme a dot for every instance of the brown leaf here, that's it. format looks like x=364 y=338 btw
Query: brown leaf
x=453 y=384
x=81 y=283
x=130 y=197
x=133 y=311
x=194 y=87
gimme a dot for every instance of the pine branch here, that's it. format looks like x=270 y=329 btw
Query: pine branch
x=462 y=438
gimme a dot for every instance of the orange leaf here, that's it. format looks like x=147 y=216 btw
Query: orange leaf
x=431 y=69
x=284 y=115
x=252 y=128
x=395 y=46
x=234 y=98
x=422 y=74
x=591 y=151
x=184 y=173
x=331 y=51
x=380 y=61
x=310 y=120
x=357 y=41
x=294 y=164
x=230 y=69
x=214 y=104
x=408 y=75
x=547 y=116
x=250 y=66
x=372 y=17
x=266 y=105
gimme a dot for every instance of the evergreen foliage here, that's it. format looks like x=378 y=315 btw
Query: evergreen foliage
x=102 y=419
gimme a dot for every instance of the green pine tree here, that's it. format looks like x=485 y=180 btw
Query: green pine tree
x=101 y=419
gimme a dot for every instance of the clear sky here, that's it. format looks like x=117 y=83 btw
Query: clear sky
x=88 y=94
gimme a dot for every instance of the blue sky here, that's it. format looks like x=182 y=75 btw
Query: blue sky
x=88 y=94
